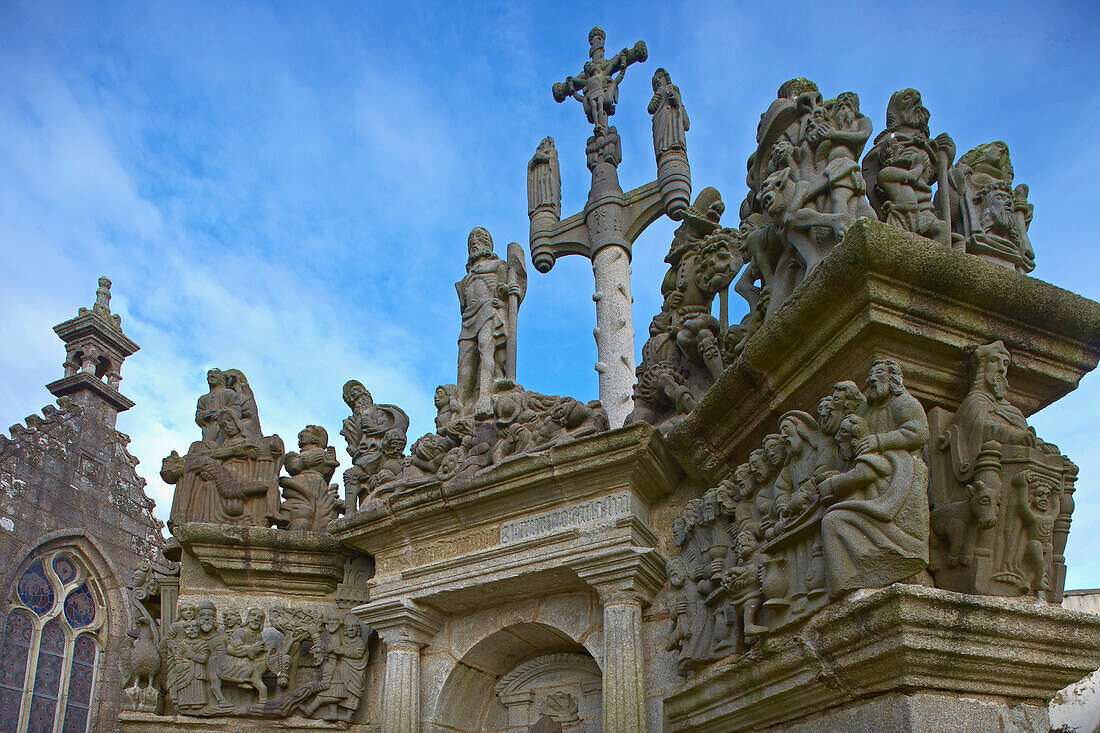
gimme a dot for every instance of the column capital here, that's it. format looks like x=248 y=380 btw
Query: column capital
x=401 y=622
x=627 y=575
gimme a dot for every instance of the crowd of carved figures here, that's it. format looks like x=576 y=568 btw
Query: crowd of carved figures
x=844 y=498
x=861 y=490
x=807 y=187
x=277 y=663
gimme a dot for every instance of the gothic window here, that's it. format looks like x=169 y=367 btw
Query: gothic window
x=51 y=642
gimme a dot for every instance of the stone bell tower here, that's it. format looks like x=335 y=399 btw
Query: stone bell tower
x=95 y=348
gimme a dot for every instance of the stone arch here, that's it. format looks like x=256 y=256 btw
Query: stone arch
x=506 y=659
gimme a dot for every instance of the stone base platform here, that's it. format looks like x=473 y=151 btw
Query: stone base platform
x=262 y=558
x=902 y=658
x=149 y=723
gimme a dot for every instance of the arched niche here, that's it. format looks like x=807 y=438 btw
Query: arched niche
x=525 y=664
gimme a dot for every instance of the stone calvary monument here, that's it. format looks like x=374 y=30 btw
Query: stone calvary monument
x=831 y=515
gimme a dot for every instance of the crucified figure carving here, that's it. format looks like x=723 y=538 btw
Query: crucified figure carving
x=597 y=87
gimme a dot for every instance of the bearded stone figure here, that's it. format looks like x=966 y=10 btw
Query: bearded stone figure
x=904 y=164
x=989 y=215
x=1002 y=497
x=489 y=297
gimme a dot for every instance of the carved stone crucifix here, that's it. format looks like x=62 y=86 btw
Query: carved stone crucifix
x=611 y=220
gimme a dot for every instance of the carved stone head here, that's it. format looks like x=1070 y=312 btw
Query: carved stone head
x=207 y=616
x=661 y=78
x=333 y=622
x=884 y=380
x=777 y=193
x=351 y=626
x=996 y=206
x=852 y=429
x=191 y=629
x=356 y=396
x=984 y=500
x=677 y=576
x=758 y=466
x=479 y=244
x=255 y=619
x=394 y=441
x=989 y=366
x=215 y=378
x=231 y=619
x=742 y=475
x=775 y=450
x=905 y=110
x=679 y=530
x=186 y=612
x=313 y=435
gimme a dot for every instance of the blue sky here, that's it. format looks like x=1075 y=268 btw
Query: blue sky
x=286 y=188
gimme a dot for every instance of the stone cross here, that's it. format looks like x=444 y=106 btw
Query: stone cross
x=611 y=220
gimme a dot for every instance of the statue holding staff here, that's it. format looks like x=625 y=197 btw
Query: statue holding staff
x=489 y=296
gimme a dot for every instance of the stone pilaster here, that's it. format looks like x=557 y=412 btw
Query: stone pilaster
x=405 y=627
x=625 y=582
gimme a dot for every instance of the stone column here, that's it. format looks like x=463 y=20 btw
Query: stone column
x=405 y=627
x=625 y=582
x=623 y=665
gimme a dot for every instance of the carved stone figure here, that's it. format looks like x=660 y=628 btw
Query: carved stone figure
x=670 y=119
x=376 y=436
x=903 y=165
x=544 y=180
x=343 y=672
x=597 y=87
x=992 y=217
x=230 y=475
x=139 y=666
x=447 y=406
x=805 y=192
x=188 y=683
x=489 y=297
x=243 y=661
x=826 y=505
x=310 y=502
x=683 y=356
x=998 y=490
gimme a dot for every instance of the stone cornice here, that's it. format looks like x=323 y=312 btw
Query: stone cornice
x=903 y=637
x=401 y=622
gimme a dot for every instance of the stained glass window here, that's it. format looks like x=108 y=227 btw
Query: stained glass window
x=80 y=607
x=13 y=668
x=47 y=678
x=81 y=675
x=64 y=568
x=34 y=590
x=50 y=647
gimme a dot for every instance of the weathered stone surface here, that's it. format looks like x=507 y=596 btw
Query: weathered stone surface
x=145 y=723
x=684 y=353
x=262 y=558
x=884 y=292
x=894 y=640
